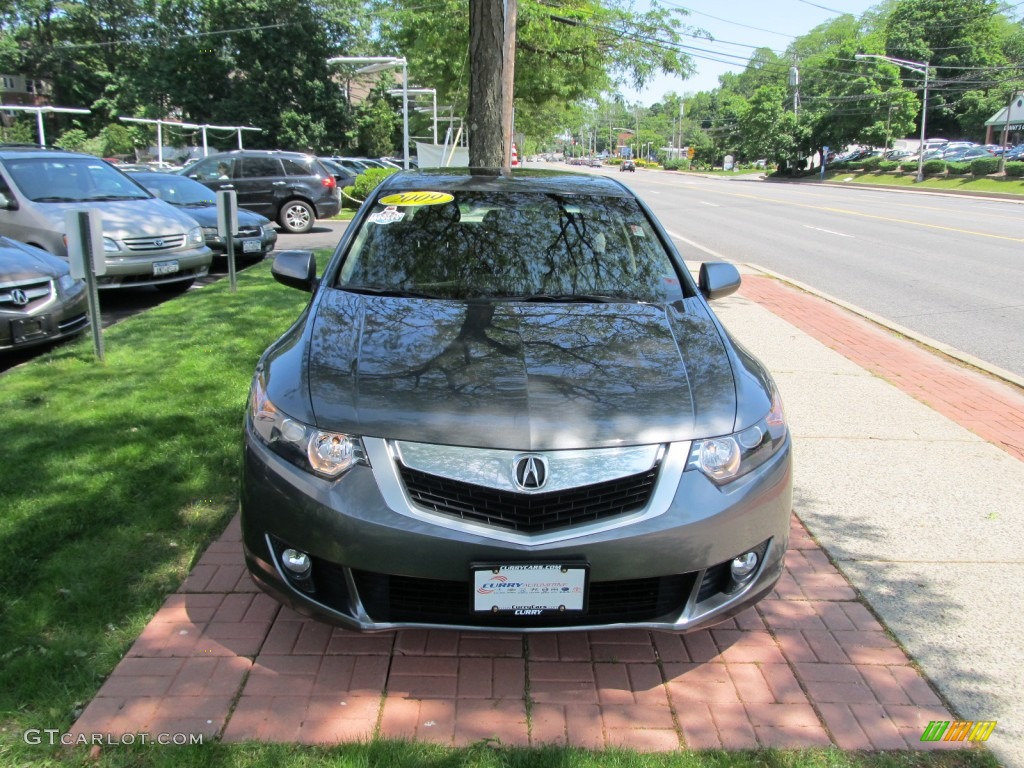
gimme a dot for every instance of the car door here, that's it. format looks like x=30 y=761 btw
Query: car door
x=261 y=184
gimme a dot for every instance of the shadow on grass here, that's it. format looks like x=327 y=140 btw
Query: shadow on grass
x=117 y=475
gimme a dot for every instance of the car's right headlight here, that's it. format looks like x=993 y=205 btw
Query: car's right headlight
x=726 y=458
x=322 y=452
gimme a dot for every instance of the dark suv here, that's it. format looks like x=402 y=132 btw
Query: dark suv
x=291 y=188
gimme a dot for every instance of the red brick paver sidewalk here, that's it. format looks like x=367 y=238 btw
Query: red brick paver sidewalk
x=993 y=411
x=807 y=666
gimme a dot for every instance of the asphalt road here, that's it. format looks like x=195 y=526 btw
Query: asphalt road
x=947 y=267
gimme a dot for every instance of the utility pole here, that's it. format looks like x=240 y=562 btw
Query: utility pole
x=491 y=71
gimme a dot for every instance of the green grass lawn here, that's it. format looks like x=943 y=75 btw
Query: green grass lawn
x=115 y=477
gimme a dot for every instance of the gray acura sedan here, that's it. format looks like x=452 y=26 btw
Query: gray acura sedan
x=508 y=406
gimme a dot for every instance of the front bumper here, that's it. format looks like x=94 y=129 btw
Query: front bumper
x=380 y=564
x=136 y=270
x=64 y=318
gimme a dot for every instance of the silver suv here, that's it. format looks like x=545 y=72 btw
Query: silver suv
x=146 y=241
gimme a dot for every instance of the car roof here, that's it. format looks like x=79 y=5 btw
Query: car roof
x=488 y=180
x=31 y=150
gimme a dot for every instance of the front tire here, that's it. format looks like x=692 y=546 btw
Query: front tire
x=297 y=217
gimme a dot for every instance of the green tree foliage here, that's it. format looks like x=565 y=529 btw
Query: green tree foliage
x=566 y=53
x=261 y=63
x=766 y=126
x=964 y=40
x=378 y=126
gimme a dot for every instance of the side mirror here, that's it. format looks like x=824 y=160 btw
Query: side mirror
x=718 y=279
x=7 y=204
x=296 y=269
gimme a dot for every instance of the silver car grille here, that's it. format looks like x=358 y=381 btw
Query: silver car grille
x=525 y=512
x=587 y=491
x=250 y=231
x=155 y=243
x=26 y=296
x=479 y=487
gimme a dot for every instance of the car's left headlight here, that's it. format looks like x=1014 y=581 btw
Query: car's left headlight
x=724 y=459
x=322 y=452
x=195 y=236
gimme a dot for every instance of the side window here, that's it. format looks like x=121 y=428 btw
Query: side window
x=296 y=168
x=259 y=167
x=206 y=170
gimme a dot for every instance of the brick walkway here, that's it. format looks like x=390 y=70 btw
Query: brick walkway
x=807 y=666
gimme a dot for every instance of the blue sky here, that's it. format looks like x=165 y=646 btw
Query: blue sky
x=738 y=27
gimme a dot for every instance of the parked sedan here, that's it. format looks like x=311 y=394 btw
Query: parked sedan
x=508 y=406
x=966 y=154
x=256 y=235
x=40 y=302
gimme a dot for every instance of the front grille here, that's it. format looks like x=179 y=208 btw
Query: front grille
x=156 y=243
x=529 y=512
x=403 y=599
x=250 y=232
x=35 y=292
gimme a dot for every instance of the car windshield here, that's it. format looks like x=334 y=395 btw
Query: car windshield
x=72 y=180
x=517 y=247
x=178 y=190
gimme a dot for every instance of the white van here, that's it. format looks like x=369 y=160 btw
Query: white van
x=146 y=240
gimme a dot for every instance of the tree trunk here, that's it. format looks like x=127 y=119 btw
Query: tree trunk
x=491 y=57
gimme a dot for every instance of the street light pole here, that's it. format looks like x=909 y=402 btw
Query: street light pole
x=920 y=67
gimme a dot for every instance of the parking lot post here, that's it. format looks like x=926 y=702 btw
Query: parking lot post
x=227 y=225
x=85 y=253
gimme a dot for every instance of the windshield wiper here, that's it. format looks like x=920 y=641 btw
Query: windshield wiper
x=371 y=290
x=568 y=298
x=57 y=199
x=108 y=198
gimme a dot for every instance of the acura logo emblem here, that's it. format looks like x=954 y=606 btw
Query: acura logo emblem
x=531 y=472
x=19 y=297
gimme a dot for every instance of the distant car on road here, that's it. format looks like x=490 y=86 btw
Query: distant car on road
x=627 y=165
x=255 y=237
x=40 y=302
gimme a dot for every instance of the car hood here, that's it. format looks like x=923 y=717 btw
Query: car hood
x=23 y=262
x=207 y=216
x=127 y=218
x=517 y=376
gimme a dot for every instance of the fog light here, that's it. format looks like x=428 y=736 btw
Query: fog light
x=743 y=567
x=297 y=563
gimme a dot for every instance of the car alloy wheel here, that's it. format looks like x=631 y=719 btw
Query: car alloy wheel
x=297 y=217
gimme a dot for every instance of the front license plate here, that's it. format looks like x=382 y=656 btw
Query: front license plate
x=251 y=246
x=165 y=267
x=30 y=329
x=529 y=590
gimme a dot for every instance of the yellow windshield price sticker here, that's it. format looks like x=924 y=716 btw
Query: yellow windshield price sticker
x=417 y=198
